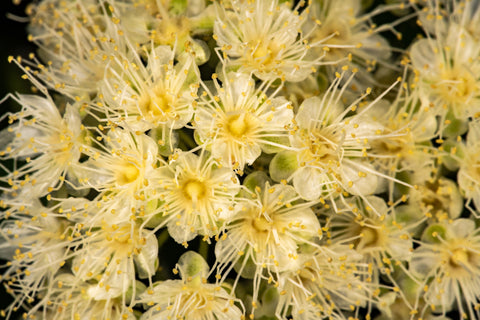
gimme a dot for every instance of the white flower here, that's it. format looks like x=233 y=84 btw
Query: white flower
x=374 y=231
x=37 y=243
x=241 y=121
x=322 y=284
x=191 y=297
x=178 y=24
x=144 y=97
x=447 y=68
x=438 y=199
x=71 y=298
x=121 y=172
x=332 y=149
x=408 y=128
x=113 y=254
x=48 y=142
x=74 y=38
x=266 y=231
x=195 y=196
x=346 y=33
x=264 y=37
x=450 y=266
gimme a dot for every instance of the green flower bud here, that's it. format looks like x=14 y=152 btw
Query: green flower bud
x=283 y=165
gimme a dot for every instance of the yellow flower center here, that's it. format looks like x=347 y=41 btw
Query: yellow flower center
x=263 y=54
x=456 y=85
x=157 y=104
x=261 y=225
x=239 y=125
x=194 y=190
x=370 y=237
x=459 y=258
x=127 y=174
x=320 y=149
x=122 y=237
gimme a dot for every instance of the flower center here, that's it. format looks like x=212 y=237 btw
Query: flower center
x=459 y=258
x=121 y=235
x=474 y=167
x=194 y=190
x=127 y=174
x=371 y=239
x=261 y=225
x=457 y=85
x=321 y=149
x=339 y=33
x=239 y=125
x=157 y=104
x=263 y=54
x=396 y=145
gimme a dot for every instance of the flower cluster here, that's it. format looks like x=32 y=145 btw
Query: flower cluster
x=244 y=159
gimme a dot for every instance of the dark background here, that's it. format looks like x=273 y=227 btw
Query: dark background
x=13 y=41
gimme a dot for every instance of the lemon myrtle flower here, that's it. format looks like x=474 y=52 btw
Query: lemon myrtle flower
x=120 y=171
x=239 y=121
x=265 y=38
x=160 y=94
x=332 y=148
x=37 y=242
x=307 y=289
x=113 y=254
x=469 y=172
x=347 y=34
x=195 y=196
x=236 y=128
x=71 y=298
x=266 y=234
x=49 y=143
x=73 y=46
x=181 y=25
x=192 y=297
x=448 y=263
x=447 y=65
x=408 y=128
x=373 y=230
x=438 y=199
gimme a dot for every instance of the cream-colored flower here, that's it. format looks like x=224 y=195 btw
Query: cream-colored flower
x=439 y=199
x=375 y=232
x=49 y=143
x=469 y=173
x=195 y=196
x=449 y=264
x=71 y=298
x=323 y=284
x=349 y=37
x=37 y=244
x=409 y=126
x=114 y=255
x=447 y=66
x=191 y=297
x=266 y=234
x=333 y=148
x=159 y=94
x=74 y=38
x=264 y=37
x=122 y=171
x=182 y=25
x=239 y=121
